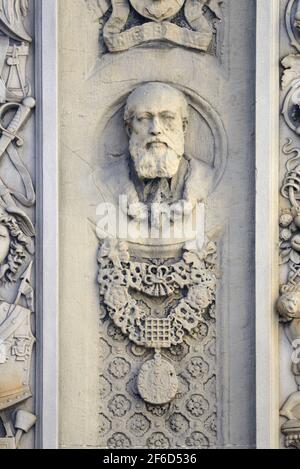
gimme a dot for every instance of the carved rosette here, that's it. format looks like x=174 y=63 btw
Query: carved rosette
x=17 y=231
x=119 y=278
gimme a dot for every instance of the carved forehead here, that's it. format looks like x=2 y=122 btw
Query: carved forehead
x=156 y=97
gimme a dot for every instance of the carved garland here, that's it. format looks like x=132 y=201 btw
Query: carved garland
x=192 y=279
x=289 y=302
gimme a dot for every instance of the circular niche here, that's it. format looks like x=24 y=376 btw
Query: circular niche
x=206 y=139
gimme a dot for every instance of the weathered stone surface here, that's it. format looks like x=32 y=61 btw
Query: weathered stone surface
x=93 y=136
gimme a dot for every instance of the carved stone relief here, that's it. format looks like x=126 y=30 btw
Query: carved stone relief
x=130 y=23
x=17 y=231
x=293 y=22
x=143 y=149
x=288 y=303
x=157 y=292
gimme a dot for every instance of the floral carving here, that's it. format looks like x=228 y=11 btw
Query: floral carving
x=178 y=423
x=117 y=282
x=197 y=440
x=118 y=441
x=178 y=352
x=288 y=304
x=158 y=410
x=158 y=441
x=116 y=297
x=159 y=280
x=115 y=251
x=119 y=368
x=138 y=424
x=119 y=405
x=197 y=405
x=200 y=332
x=197 y=368
x=115 y=333
x=289 y=237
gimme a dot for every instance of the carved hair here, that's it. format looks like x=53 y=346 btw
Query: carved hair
x=155 y=86
x=17 y=248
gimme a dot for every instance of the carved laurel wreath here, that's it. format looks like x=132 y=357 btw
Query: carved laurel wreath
x=192 y=277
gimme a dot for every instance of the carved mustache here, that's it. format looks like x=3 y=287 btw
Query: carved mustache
x=158 y=142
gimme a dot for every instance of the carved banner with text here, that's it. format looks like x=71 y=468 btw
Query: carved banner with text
x=130 y=23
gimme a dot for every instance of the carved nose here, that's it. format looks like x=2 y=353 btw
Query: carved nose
x=155 y=128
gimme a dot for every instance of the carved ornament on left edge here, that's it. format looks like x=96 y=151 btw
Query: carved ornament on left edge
x=17 y=231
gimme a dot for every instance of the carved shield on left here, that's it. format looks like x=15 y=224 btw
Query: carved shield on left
x=16 y=342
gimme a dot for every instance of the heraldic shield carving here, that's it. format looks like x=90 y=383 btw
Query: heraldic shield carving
x=125 y=24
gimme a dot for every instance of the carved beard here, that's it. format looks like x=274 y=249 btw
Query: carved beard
x=155 y=161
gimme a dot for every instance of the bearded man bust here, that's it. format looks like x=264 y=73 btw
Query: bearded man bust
x=163 y=184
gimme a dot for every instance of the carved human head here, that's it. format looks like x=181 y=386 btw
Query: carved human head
x=156 y=118
x=288 y=305
x=157 y=10
x=16 y=232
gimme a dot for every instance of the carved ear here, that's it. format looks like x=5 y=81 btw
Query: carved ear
x=185 y=125
x=128 y=128
x=23 y=221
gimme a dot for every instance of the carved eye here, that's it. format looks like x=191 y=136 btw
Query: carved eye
x=143 y=118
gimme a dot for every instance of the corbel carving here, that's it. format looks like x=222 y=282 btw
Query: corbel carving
x=17 y=231
x=130 y=23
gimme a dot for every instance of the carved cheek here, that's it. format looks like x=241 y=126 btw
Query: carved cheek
x=141 y=128
x=4 y=243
